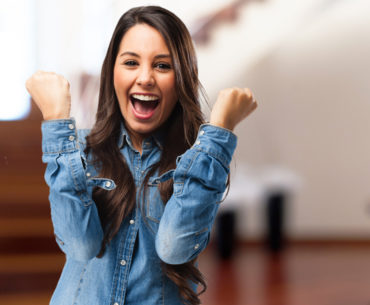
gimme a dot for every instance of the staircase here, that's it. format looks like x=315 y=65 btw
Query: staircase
x=30 y=260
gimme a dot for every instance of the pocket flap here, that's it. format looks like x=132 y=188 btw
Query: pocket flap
x=104 y=183
x=153 y=181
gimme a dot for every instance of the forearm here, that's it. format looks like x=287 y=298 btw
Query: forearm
x=200 y=180
x=74 y=214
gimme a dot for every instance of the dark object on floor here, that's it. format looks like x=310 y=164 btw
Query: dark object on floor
x=225 y=233
x=275 y=208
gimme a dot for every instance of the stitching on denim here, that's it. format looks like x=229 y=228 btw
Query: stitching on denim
x=201 y=231
x=80 y=191
x=178 y=189
x=84 y=199
x=218 y=157
x=78 y=290
x=128 y=261
x=74 y=178
x=115 y=279
x=117 y=270
x=152 y=219
x=68 y=150
x=163 y=282
x=147 y=207
x=188 y=167
x=182 y=178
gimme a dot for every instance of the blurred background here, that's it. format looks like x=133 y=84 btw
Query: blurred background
x=295 y=227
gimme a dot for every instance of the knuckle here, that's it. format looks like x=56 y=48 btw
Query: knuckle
x=248 y=93
x=233 y=92
x=64 y=82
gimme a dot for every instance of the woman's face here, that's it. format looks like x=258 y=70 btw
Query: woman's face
x=144 y=80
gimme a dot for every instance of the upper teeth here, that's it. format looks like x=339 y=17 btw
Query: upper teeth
x=145 y=97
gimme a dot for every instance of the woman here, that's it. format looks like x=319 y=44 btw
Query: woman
x=134 y=199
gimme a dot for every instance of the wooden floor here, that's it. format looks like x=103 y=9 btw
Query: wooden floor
x=300 y=275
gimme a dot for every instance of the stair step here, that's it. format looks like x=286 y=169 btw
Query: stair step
x=31 y=263
x=30 y=298
x=26 y=227
x=28 y=245
x=29 y=273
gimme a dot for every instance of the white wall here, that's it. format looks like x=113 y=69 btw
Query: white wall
x=313 y=119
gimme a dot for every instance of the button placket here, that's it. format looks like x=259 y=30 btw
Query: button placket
x=125 y=251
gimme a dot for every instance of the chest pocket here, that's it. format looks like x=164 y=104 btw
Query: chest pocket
x=154 y=206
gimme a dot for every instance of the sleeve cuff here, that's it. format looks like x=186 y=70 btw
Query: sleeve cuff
x=217 y=141
x=59 y=136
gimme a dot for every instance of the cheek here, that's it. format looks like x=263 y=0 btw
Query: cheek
x=120 y=90
x=171 y=90
x=120 y=80
x=117 y=80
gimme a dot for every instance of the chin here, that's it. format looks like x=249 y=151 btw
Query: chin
x=144 y=130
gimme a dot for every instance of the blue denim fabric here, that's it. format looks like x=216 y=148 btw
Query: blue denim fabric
x=130 y=270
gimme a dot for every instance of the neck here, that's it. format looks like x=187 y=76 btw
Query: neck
x=137 y=141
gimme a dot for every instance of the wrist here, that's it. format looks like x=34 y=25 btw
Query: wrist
x=225 y=125
x=49 y=117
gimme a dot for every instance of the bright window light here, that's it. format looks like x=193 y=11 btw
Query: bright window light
x=17 y=57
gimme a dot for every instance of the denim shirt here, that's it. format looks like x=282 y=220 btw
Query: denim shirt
x=130 y=270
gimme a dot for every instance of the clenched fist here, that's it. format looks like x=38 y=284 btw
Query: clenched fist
x=231 y=107
x=51 y=94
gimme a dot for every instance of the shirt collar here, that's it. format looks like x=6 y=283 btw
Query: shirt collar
x=157 y=137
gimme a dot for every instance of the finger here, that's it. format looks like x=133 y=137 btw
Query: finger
x=254 y=105
x=251 y=107
x=248 y=92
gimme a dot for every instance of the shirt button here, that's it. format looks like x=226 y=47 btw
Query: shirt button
x=88 y=174
x=71 y=138
x=108 y=184
x=71 y=126
x=197 y=142
x=132 y=221
x=202 y=132
x=123 y=262
x=116 y=303
x=196 y=246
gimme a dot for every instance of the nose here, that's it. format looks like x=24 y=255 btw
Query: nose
x=145 y=77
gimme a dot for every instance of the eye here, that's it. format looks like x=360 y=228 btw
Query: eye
x=130 y=63
x=162 y=66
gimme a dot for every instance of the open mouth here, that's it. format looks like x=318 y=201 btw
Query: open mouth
x=144 y=105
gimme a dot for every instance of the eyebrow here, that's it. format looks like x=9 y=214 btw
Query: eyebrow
x=137 y=55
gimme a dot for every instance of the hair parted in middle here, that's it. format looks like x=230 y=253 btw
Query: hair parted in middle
x=181 y=131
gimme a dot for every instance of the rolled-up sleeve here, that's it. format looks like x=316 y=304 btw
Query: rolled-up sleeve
x=200 y=180
x=74 y=215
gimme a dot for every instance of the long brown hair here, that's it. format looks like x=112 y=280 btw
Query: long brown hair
x=182 y=127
